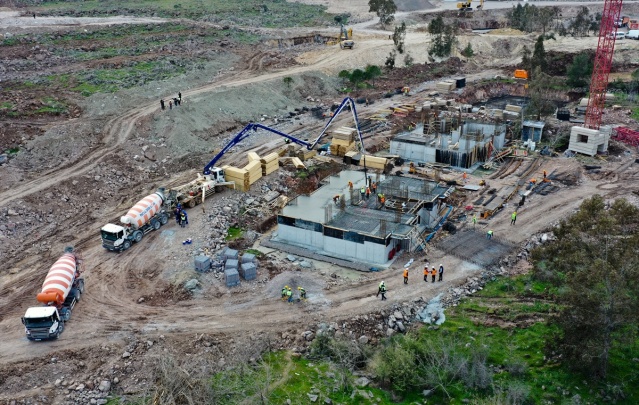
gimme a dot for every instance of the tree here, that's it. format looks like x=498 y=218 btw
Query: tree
x=399 y=36
x=344 y=75
x=538 y=86
x=545 y=16
x=468 y=52
x=581 y=24
x=444 y=42
x=408 y=59
x=539 y=55
x=385 y=10
x=357 y=77
x=595 y=265
x=436 y=26
x=371 y=72
x=579 y=71
x=390 y=60
x=287 y=81
x=526 y=61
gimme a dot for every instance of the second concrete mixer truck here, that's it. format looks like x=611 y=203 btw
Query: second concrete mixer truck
x=147 y=215
x=61 y=290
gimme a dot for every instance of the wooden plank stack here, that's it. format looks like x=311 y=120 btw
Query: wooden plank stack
x=253 y=156
x=373 y=162
x=343 y=140
x=239 y=176
x=254 y=170
x=270 y=163
x=445 y=86
x=304 y=154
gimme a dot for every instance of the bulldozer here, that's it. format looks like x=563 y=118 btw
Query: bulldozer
x=465 y=6
x=346 y=38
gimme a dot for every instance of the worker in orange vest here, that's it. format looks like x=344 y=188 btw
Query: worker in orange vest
x=406 y=276
x=426 y=271
x=433 y=273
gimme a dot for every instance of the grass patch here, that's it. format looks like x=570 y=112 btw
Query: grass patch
x=233 y=233
x=52 y=106
x=255 y=252
x=264 y=13
x=635 y=114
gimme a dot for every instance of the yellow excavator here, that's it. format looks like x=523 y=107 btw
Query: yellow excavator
x=346 y=38
x=466 y=5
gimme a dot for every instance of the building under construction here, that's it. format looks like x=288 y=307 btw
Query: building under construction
x=449 y=140
x=338 y=221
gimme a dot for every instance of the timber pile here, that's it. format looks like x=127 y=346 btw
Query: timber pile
x=373 y=162
x=252 y=156
x=343 y=141
x=239 y=176
x=292 y=161
x=254 y=170
x=445 y=86
x=270 y=163
x=304 y=155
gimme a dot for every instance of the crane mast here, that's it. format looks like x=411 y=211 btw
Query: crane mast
x=602 y=63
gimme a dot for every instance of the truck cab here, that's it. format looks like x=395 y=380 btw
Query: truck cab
x=217 y=174
x=43 y=323
x=115 y=237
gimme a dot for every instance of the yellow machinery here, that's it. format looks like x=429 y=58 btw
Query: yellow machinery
x=465 y=6
x=346 y=38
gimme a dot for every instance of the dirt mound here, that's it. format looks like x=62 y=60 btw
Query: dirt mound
x=413 y=5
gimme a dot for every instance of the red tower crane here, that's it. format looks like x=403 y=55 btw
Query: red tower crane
x=603 y=62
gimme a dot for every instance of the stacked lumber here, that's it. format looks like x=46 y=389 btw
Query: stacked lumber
x=373 y=162
x=304 y=155
x=239 y=176
x=292 y=161
x=343 y=140
x=254 y=170
x=445 y=86
x=270 y=163
x=253 y=156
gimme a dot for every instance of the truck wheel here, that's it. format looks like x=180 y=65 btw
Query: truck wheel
x=191 y=203
x=137 y=236
x=81 y=286
x=76 y=293
x=155 y=224
x=164 y=219
x=127 y=244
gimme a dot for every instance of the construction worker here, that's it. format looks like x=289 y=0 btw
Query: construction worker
x=336 y=199
x=441 y=272
x=177 y=212
x=350 y=185
x=302 y=293
x=379 y=197
x=368 y=192
x=513 y=218
x=403 y=207
x=284 y=292
x=382 y=290
x=374 y=187
x=426 y=271
x=382 y=199
x=406 y=275
x=289 y=295
x=433 y=273
x=545 y=175
x=465 y=177
x=362 y=192
x=474 y=220
x=184 y=220
x=489 y=234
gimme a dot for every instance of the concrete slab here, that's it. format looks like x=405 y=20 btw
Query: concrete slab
x=475 y=247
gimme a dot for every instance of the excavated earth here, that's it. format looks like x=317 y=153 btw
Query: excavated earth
x=69 y=173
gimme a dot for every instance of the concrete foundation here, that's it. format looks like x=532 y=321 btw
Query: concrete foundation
x=473 y=246
x=338 y=222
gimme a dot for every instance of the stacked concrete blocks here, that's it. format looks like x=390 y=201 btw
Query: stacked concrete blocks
x=202 y=264
x=232 y=277
x=248 y=271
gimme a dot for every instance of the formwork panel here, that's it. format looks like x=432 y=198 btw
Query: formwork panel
x=474 y=247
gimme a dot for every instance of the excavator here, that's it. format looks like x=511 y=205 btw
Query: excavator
x=466 y=5
x=346 y=38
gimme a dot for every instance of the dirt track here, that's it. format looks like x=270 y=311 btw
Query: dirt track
x=110 y=312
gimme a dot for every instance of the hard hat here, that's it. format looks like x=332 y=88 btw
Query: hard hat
x=286 y=286
x=440 y=264
x=299 y=288
x=382 y=282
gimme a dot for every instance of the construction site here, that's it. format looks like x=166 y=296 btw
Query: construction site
x=170 y=213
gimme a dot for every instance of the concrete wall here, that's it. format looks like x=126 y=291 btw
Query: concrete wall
x=366 y=252
x=594 y=141
x=413 y=152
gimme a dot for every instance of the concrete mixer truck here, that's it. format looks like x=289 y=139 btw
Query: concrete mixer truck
x=61 y=290
x=147 y=215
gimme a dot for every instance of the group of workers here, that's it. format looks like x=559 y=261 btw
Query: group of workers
x=287 y=294
x=181 y=218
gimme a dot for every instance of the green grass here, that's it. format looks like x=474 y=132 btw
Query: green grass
x=233 y=233
x=635 y=114
x=5 y=105
x=52 y=106
x=263 y=13
x=255 y=252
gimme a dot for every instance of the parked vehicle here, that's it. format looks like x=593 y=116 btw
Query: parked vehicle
x=61 y=290
x=633 y=34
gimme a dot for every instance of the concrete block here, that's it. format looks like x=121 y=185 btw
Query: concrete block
x=230 y=254
x=248 y=271
x=231 y=264
x=232 y=277
x=248 y=258
x=202 y=264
